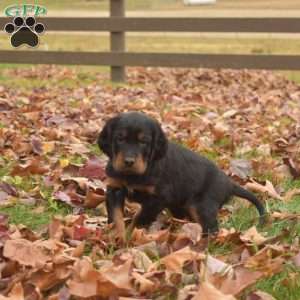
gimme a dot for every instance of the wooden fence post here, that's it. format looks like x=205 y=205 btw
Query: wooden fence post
x=117 y=40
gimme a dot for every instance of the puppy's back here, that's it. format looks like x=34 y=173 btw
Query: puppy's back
x=189 y=172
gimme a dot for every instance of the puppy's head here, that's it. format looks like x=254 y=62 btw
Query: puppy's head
x=132 y=141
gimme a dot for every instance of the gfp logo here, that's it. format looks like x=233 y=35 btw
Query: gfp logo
x=25 y=10
x=24 y=29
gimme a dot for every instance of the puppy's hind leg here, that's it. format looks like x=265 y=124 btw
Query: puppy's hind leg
x=205 y=213
x=177 y=212
x=150 y=209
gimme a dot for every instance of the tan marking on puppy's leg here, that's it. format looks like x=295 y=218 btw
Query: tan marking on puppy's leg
x=114 y=182
x=149 y=189
x=118 y=220
x=133 y=222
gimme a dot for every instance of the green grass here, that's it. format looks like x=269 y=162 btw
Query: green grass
x=85 y=76
x=245 y=217
x=212 y=154
x=168 y=43
x=26 y=215
x=220 y=249
x=294 y=76
x=281 y=285
x=94 y=149
x=20 y=213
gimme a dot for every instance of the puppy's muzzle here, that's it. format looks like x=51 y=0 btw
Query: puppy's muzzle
x=129 y=161
x=129 y=164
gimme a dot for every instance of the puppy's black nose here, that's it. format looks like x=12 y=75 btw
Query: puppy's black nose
x=129 y=161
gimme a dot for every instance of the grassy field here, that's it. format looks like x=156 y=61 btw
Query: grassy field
x=266 y=44
x=199 y=43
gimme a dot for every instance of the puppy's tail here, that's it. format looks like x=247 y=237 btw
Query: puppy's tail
x=241 y=192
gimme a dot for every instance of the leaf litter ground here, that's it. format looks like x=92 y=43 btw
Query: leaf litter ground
x=55 y=243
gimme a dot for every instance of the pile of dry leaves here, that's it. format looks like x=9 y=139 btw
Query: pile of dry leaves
x=247 y=121
x=75 y=257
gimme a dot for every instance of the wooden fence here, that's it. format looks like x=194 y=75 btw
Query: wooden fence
x=117 y=24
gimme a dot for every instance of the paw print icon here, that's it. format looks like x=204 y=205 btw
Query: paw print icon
x=24 y=31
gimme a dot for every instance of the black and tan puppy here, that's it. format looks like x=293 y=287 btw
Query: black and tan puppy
x=145 y=168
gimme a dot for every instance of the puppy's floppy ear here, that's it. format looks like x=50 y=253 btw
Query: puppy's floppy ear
x=160 y=145
x=105 y=137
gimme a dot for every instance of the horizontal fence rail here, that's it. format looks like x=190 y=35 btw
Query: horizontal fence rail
x=118 y=58
x=119 y=24
x=282 y=62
